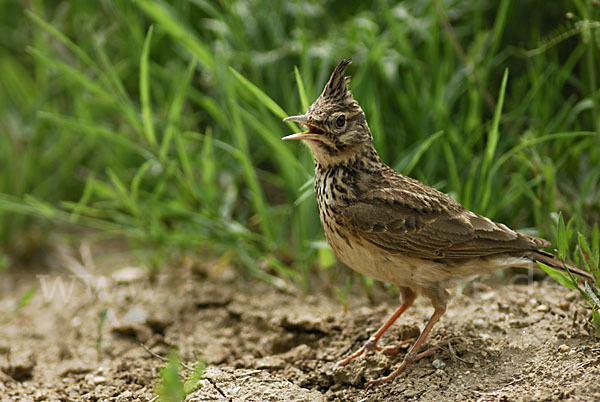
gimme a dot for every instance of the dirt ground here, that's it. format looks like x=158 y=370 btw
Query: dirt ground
x=509 y=339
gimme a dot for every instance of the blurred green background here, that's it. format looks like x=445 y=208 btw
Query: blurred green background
x=160 y=122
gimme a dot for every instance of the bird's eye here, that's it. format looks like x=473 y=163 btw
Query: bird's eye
x=341 y=121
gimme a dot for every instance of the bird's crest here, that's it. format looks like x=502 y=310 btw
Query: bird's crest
x=337 y=86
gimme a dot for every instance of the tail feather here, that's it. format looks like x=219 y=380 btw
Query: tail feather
x=553 y=262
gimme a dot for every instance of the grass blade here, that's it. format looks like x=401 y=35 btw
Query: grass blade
x=260 y=96
x=61 y=37
x=145 y=91
x=176 y=109
x=490 y=151
x=72 y=74
x=421 y=149
x=558 y=276
x=301 y=90
x=162 y=14
x=561 y=237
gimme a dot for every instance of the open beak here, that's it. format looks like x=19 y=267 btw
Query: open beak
x=313 y=133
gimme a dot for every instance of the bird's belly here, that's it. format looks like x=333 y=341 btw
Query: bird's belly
x=368 y=260
x=403 y=270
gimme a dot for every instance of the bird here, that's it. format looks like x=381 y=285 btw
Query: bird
x=395 y=229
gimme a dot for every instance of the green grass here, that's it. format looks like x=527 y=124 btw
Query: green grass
x=21 y=303
x=160 y=122
x=100 y=325
x=585 y=256
x=172 y=387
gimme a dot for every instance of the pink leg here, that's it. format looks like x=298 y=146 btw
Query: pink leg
x=408 y=297
x=413 y=354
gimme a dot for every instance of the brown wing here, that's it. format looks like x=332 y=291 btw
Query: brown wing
x=419 y=225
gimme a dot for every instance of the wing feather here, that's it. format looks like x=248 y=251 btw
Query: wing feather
x=430 y=228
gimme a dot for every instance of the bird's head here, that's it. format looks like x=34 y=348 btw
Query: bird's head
x=337 y=128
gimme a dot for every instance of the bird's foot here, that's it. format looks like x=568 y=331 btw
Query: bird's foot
x=390 y=377
x=369 y=346
x=408 y=360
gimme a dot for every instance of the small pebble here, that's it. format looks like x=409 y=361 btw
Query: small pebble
x=128 y=275
x=542 y=308
x=135 y=315
x=99 y=379
x=564 y=306
x=438 y=364
x=563 y=348
x=479 y=323
x=126 y=396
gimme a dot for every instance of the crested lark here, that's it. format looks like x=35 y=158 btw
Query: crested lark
x=393 y=228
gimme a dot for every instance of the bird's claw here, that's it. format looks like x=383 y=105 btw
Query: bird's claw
x=390 y=377
x=369 y=346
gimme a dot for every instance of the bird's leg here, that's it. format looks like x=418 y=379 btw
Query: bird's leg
x=371 y=343
x=439 y=302
x=408 y=298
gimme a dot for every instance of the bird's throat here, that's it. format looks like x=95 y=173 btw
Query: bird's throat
x=329 y=155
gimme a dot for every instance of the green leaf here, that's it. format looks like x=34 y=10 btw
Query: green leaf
x=585 y=251
x=115 y=86
x=491 y=145
x=592 y=295
x=260 y=95
x=26 y=298
x=163 y=14
x=301 y=90
x=558 y=276
x=61 y=37
x=193 y=382
x=176 y=109
x=72 y=74
x=595 y=268
x=421 y=149
x=596 y=320
x=88 y=190
x=282 y=269
x=145 y=91
x=137 y=179
x=100 y=324
x=171 y=388
x=122 y=194
x=561 y=237
x=91 y=128
x=342 y=294
x=494 y=133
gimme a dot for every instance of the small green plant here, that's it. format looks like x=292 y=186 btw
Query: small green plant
x=101 y=320
x=172 y=388
x=27 y=296
x=587 y=256
x=342 y=294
